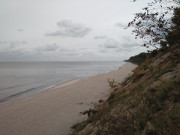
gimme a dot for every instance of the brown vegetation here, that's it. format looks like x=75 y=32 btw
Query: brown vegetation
x=147 y=103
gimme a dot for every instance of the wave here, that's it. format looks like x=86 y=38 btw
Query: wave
x=28 y=91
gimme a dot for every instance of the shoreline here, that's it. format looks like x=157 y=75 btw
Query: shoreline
x=35 y=90
x=55 y=110
x=31 y=92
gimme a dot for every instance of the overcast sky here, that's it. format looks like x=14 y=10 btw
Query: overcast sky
x=67 y=30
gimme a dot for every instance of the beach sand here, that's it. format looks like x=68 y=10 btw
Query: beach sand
x=54 y=111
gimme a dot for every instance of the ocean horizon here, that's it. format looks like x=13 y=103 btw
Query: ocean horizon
x=22 y=78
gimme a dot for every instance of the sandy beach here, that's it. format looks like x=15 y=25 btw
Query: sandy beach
x=54 y=111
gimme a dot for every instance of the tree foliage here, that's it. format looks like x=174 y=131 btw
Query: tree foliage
x=154 y=23
x=173 y=37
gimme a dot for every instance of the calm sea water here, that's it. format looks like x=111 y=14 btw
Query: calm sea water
x=21 y=78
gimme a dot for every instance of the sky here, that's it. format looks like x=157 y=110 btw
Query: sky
x=68 y=30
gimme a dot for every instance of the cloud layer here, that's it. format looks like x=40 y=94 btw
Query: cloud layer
x=70 y=29
x=13 y=44
x=100 y=37
x=112 y=45
x=20 y=30
x=121 y=25
x=48 y=48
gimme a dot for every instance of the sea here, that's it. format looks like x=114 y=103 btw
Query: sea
x=19 y=79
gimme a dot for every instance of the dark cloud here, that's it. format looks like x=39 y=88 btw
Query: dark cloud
x=56 y=49
x=110 y=43
x=70 y=29
x=20 y=55
x=113 y=45
x=4 y=42
x=14 y=44
x=129 y=45
x=121 y=25
x=100 y=37
x=20 y=30
x=127 y=38
x=48 y=48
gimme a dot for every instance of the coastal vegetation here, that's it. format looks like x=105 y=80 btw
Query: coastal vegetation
x=148 y=102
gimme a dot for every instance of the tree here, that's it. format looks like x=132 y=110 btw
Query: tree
x=154 y=23
x=173 y=37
